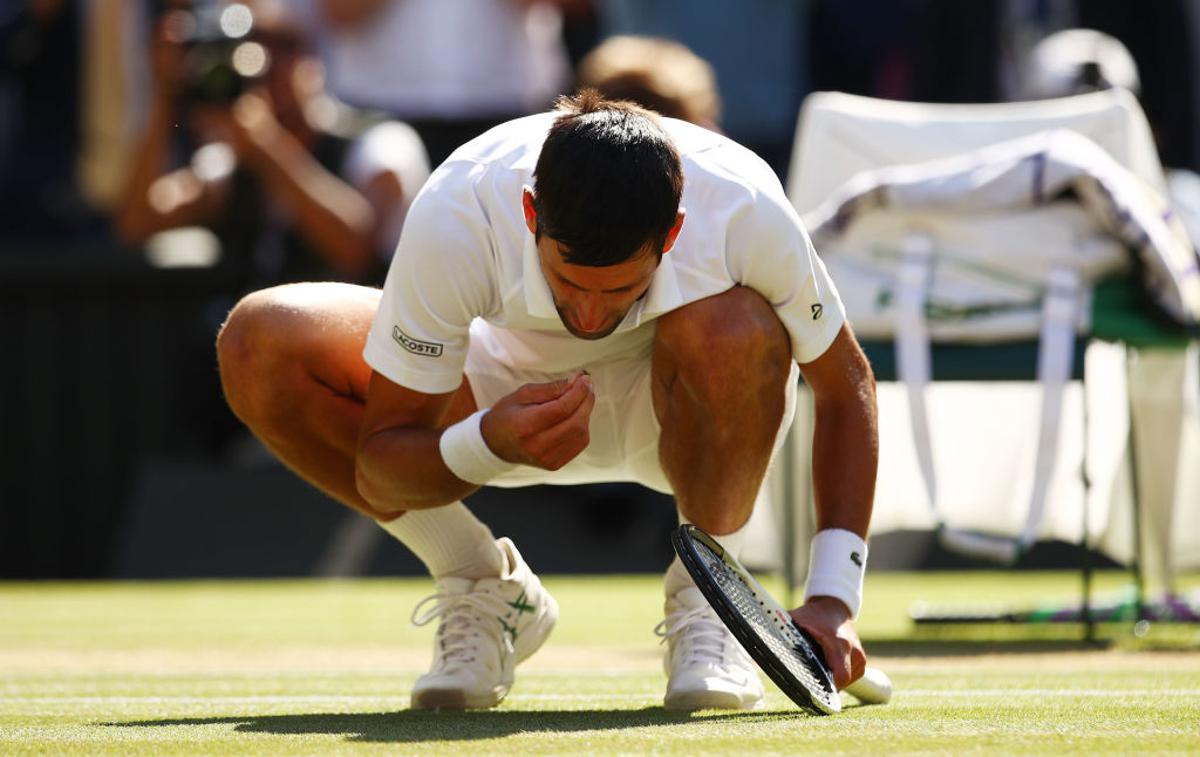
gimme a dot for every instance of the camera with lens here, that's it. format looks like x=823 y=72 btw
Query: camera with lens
x=221 y=58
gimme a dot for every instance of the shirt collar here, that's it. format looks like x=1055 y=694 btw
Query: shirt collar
x=538 y=300
x=663 y=295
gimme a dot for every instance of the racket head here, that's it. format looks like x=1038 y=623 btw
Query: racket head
x=785 y=652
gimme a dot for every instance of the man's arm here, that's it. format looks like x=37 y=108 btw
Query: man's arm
x=846 y=438
x=399 y=464
x=845 y=461
x=156 y=198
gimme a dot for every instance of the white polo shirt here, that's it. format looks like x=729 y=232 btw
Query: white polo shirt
x=465 y=253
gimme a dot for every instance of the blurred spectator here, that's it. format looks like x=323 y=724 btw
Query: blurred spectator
x=451 y=68
x=1163 y=37
x=39 y=119
x=1077 y=61
x=294 y=185
x=756 y=47
x=655 y=73
x=954 y=51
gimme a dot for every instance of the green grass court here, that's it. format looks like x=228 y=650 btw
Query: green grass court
x=323 y=667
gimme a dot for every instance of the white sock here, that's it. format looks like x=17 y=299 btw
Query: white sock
x=677 y=577
x=450 y=540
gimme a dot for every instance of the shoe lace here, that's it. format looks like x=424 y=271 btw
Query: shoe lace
x=464 y=623
x=699 y=636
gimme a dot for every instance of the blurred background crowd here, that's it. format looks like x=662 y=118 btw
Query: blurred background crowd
x=160 y=158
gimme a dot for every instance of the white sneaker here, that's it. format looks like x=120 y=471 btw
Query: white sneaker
x=486 y=627
x=706 y=667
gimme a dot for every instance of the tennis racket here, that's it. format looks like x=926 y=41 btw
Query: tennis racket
x=785 y=652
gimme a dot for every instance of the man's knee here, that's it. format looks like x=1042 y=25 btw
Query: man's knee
x=734 y=333
x=282 y=335
x=247 y=351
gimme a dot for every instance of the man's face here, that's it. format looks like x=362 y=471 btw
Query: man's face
x=593 y=300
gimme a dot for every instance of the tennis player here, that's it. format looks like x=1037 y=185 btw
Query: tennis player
x=593 y=294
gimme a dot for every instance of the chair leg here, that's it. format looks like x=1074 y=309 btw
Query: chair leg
x=796 y=483
x=791 y=500
x=1085 y=553
x=1139 y=581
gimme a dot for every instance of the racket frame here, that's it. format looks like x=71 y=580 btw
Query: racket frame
x=826 y=702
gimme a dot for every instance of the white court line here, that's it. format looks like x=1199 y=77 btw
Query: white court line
x=357 y=673
x=1048 y=692
x=393 y=699
x=291 y=699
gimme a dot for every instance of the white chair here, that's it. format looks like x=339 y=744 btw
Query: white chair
x=840 y=136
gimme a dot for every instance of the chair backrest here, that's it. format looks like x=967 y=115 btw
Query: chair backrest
x=839 y=135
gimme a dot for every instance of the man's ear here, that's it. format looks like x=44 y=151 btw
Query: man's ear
x=530 y=211
x=673 y=234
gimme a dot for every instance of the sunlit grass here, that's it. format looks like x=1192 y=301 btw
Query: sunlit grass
x=320 y=667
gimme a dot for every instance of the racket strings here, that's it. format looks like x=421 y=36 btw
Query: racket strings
x=779 y=634
x=762 y=627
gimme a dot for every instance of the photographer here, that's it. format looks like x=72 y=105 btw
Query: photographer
x=290 y=190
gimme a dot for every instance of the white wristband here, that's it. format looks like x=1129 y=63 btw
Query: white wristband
x=466 y=453
x=836 y=563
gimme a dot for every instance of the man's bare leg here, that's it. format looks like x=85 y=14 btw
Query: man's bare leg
x=293 y=372
x=720 y=369
x=292 y=368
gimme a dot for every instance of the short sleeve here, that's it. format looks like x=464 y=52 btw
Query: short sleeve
x=770 y=251
x=441 y=277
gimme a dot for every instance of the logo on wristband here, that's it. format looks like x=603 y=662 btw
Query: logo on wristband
x=416 y=346
x=856 y=559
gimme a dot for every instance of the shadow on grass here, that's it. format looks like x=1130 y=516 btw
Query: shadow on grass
x=415 y=726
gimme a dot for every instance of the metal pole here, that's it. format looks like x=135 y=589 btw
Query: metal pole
x=791 y=499
x=1139 y=581
x=1085 y=552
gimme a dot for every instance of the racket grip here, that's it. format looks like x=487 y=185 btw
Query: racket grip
x=873 y=688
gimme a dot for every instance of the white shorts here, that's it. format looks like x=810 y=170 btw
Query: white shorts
x=624 y=429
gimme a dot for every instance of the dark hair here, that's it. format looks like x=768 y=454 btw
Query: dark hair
x=608 y=181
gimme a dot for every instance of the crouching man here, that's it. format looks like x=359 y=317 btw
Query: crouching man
x=593 y=294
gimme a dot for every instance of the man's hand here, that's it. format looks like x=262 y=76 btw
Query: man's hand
x=829 y=621
x=248 y=125
x=543 y=425
x=254 y=124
